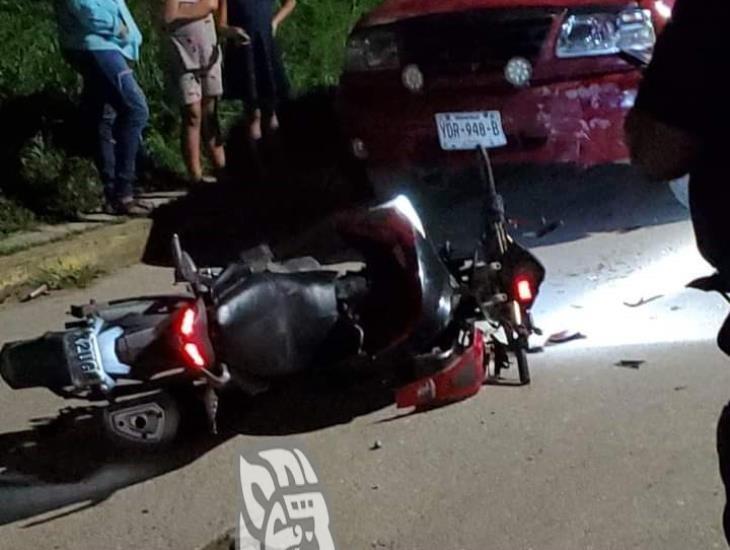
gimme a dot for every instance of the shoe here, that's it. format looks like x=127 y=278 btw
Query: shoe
x=131 y=208
x=202 y=181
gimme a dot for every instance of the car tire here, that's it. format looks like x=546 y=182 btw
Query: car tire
x=680 y=190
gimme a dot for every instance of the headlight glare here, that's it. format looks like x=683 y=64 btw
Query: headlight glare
x=586 y=35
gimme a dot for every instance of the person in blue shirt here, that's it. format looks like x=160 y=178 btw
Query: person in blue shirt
x=101 y=40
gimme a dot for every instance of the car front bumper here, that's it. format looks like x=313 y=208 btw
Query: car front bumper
x=578 y=121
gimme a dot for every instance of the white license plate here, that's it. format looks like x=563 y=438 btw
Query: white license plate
x=84 y=358
x=464 y=131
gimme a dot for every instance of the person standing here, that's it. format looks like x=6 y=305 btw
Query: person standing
x=254 y=70
x=679 y=126
x=196 y=68
x=101 y=41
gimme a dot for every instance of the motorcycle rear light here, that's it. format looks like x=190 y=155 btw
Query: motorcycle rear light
x=192 y=338
x=187 y=325
x=193 y=354
x=523 y=285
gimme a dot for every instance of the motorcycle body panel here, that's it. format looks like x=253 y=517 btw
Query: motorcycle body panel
x=458 y=375
x=129 y=339
x=35 y=363
x=412 y=291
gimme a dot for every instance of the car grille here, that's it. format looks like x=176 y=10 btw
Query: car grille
x=474 y=41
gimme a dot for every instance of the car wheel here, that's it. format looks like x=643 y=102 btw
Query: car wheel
x=680 y=190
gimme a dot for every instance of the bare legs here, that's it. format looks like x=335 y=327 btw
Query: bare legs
x=200 y=123
x=258 y=121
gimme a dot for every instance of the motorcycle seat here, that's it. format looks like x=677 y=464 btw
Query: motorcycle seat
x=272 y=324
x=238 y=271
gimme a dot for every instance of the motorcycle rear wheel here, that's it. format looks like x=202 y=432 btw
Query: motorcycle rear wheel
x=148 y=424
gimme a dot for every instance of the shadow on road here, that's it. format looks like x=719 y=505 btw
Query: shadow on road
x=65 y=465
x=723 y=452
x=564 y=203
x=576 y=203
x=308 y=173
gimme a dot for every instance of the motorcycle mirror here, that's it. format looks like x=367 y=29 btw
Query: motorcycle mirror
x=185 y=269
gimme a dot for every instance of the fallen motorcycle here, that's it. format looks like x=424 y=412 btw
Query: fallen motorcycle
x=439 y=321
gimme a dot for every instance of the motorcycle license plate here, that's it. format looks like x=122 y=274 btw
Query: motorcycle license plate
x=83 y=357
x=468 y=130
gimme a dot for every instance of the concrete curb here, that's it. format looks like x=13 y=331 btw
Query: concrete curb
x=108 y=247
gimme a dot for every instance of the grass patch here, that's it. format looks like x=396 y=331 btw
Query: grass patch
x=313 y=40
x=14 y=218
x=35 y=81
x=67 y=274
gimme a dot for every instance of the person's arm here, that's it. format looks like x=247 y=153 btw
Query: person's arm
x=98 y=18
x=662 y=151
x=677 y=95
x=176 y=11
x=285 y=11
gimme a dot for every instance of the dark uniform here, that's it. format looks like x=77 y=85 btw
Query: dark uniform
x=255 y=72
x=686 y=86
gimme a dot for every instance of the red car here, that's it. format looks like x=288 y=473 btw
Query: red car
x=540 y=81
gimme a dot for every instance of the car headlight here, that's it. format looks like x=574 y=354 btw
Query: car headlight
x=584 y=35
x=375 y=49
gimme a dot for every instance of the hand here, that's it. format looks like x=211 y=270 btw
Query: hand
x=274 y=27
x=239 y=36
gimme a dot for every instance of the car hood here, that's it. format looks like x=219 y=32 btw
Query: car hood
x=391 y=11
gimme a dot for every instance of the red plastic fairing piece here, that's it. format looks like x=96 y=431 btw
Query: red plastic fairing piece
x=461 y=377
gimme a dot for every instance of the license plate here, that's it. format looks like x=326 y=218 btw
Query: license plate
x=84 y=358
x=464 y=131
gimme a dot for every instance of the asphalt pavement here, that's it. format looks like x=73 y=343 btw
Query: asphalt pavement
x=591 y=455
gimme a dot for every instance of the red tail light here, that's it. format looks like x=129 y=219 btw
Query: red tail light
x=193 y=354
x=187 y=326
x=523 y=287
x=191 y=341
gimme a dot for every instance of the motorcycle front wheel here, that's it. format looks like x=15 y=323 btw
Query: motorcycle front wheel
x=518 y=346
x=522 y=367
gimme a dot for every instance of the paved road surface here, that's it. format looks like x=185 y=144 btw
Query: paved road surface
x=590 y=456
